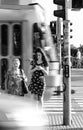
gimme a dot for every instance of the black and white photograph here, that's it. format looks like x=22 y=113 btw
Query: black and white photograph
x=41 y=65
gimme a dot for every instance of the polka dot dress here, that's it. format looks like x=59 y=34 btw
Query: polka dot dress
x=37 y=83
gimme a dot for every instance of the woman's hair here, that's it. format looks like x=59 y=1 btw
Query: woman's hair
x=18 y=60
x=44 y=57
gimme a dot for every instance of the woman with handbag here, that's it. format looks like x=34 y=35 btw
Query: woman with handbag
x=39 y=68
x=14 y=79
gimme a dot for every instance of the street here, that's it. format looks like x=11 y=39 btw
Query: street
x=55 y=103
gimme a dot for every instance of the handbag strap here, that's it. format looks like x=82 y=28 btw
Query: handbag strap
x=21 y=73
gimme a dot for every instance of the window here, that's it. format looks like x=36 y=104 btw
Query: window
x=17 y=40
x=4 y=40
x=4 y=68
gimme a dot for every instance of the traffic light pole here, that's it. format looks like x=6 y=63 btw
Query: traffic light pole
x=58 y=33
x=66 y=70
x=63 y=13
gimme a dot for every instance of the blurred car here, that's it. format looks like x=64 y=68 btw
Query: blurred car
x=20 y=113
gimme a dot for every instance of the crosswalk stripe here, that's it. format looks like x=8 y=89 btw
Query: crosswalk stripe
x=57 y=106
x=55 y=103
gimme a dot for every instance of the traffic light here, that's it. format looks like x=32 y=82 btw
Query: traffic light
x=60 y=13
x=53 y=27
x=70 y=30
x=53 y=31
x=66 y=71
x=77 y=4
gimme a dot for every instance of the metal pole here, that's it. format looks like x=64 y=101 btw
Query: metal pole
x=66 y=70
x=58 y=32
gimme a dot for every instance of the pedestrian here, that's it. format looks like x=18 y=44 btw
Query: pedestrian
x=14 y=78
x=78 y=59
x=39 y=68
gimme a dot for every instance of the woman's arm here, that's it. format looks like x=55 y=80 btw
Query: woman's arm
x=33 y=69
x=24 y=76
x=6 y=81
x=6 y=85
x=45 y=70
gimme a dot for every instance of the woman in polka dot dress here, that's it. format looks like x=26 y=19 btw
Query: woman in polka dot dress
x=39 y=68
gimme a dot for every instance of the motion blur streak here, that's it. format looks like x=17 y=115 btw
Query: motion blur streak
x=28 y=117
x=18 y=113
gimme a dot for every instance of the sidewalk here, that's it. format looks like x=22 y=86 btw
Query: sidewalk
x=55 y=113
x=56 y=122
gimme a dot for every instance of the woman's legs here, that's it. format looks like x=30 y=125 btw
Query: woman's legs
x=40 y=101
x=37 y=100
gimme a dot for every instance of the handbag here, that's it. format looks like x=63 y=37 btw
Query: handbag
x=24 y=87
